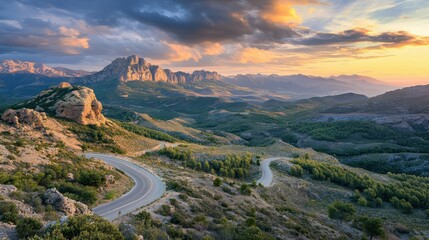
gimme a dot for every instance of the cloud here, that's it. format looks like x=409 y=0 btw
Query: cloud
x=181 y=53
x=212 y=49
x=255 y=55
x=190 y=22
x=36 y=35
x=203 y=33
x=282 y=12
x=361 y=35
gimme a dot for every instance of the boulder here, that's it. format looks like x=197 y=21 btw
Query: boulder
x=64 y=85
x=24 y=116
x=81 y=106
x=64 y=204
x=75 y=103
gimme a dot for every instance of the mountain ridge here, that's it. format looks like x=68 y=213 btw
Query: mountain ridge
x=135 y=68
x=18 y=66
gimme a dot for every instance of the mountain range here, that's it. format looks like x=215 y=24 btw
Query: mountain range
x=304 y=86
x=22 y=79
x=135 y=68
x=17 y=66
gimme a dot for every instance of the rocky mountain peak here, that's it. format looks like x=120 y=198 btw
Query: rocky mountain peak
x=135 y=68
x=17 y=66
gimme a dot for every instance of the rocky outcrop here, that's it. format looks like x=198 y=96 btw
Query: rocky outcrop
x=24 y=116
x=204 y=75
x=7 y=189
x=64 y=204
x=75 y=103
x=81 y=106
x=135 y=68
x=64 y=85
x=158 y=74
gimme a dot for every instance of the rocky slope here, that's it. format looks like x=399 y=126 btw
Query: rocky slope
x=75 y=103
x=135 y=68
x=17 y=66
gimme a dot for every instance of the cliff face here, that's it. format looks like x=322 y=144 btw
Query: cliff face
x=135 y=68
x=75 y=103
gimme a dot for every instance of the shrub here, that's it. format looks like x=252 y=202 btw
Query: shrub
x=28 y=227
x=91 y=178
x=8 y=212
x=165 y=210
x=183 y=196
x=84 y=227
x=217 y=182
x=373 y=227
x=245 y=189
x=341 y=211
x=251 y=221
x=296 y=170
x=83 y=194
x=362 y=201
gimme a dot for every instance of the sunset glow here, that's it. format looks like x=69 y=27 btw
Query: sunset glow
x=388 y=40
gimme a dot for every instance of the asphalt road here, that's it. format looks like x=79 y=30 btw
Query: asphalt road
x=267 y=174
x=147 y=188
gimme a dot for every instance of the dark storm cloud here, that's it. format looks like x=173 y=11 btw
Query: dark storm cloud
x=185 y=21
x=355 y=36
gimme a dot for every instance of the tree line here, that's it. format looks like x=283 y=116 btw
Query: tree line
x=406 y=193
x=234 y=166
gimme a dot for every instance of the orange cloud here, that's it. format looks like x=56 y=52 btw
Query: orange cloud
x=255 y=55
x=70 y=40
x=282 y=12
x=213 y=49
x=182 y=53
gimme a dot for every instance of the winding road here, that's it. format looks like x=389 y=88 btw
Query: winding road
x=267 y=174
x=147 y=187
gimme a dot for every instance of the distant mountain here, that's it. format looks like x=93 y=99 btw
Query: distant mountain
x=135 y=68
x=410 y=100
x=72 y=73
x=303 y=86
x=363 y=84
x=17 y=66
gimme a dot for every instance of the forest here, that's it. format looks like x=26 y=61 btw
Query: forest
x=234 y=166
x=404 y=192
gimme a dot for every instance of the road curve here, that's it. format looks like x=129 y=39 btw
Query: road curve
x=147 y=188
x=267 y=174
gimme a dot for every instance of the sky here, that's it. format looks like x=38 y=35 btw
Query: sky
x=386 y=39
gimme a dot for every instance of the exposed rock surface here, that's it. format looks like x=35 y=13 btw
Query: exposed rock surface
x=64 y=85
x=135 y=68
x=7 y=189
x=16 y=66
x=24 y=116
x=76 y=103
x=63 y=204
x=81 y=106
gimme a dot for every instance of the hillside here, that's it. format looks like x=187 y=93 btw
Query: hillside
x=211 y=173
x=411 y=100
